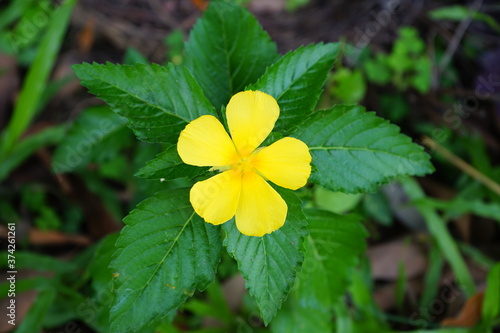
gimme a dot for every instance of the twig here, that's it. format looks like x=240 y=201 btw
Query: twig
x=462 y=165
x=457 y=37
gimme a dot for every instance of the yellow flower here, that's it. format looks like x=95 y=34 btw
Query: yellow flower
x=242 y=188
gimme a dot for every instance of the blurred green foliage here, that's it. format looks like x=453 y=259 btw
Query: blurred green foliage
x=81 y=290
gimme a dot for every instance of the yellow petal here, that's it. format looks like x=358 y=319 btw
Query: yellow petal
x=251 y=116
x=216 y=198
x=287 y=163
x=205 y=142
x=261 y=210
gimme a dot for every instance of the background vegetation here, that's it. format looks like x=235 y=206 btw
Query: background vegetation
x=67 y=164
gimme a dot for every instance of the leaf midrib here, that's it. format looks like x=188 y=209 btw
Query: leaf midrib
x=162 y=260
x=298 y=77
x=154 y=106
x=355 y=149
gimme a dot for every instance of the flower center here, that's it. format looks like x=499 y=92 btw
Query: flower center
x=244 y=164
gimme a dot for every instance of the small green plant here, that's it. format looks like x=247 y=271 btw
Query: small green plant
x=167 y=251
x=407 y=66
x=244 y=169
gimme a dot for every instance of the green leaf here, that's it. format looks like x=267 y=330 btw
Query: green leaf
x=102 y=283
x=332 y=250
x=336 y=202
x=39 y=262
x=164 y=253
x=94 y=126
x=421 y=80
x=349 y=85
x=133 y=56
x=296 y=81
x=377 y=206
x=355 y=151
x=437 y=228
x=227 y=50
x=157 y=101
x=459 y=13
x=28 y=146
x=33 y=320
x=461 y=206
x=98 y=268
x=377 y=69
x=13 y=11
x=37 y=77
x=297 y=318
x=168 y=165
x=491 y=302
x=270 y=263
x=293 y=5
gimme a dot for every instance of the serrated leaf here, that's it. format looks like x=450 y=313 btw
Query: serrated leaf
x=333 y=247
x=94 y=126
x=157 y=101
x=168 y=165
x=269 y=264
x=164 y=253
x=102 y=283
x=355 y=151
x=296 y=81
x=227 y=50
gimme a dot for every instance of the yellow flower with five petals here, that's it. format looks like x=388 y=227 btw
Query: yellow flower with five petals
x=241 y=189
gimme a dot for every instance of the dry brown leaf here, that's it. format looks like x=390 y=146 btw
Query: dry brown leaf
x=200 y=4
x=386 y=258
x=86 y=36
x=470 y=314
x=51 y=237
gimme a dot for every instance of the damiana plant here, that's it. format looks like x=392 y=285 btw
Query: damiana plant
x=277 y=143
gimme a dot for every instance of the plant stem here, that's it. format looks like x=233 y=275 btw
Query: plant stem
x=462 y=165
x=438 y=230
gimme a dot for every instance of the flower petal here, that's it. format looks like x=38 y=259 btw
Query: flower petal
x=251 y=116
x=261 y=210
x=205 y=142
x=216 y=198
x=287 y=163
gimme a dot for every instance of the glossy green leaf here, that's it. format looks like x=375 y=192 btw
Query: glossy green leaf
x=164 y=253
x=227 y=50
x=89 y=133
x=355 y=151
x=270 y=263
x=157 y=101
x=167 y=166
x=296 y=81
x=332 y=250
